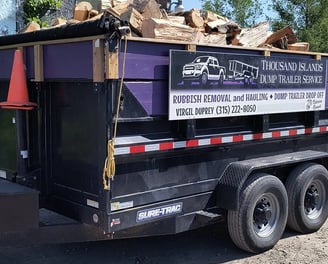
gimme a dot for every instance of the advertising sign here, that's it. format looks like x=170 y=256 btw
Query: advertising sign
x=208 y=85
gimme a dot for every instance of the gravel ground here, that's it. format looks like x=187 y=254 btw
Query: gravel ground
x=208 y=245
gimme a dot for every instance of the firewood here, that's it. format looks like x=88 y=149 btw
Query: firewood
x=194 y=18
x=121 y=8
x=96 y=17
x=299 y=46
x=58 y=22
x=219 y=25
x=209 y=16
x=282 y=38
x=93 y=13
x=177 y=19
x=211 y=39
x=134 y=18
x=166 y=30
x=82 y=10
x=104 y=5
x=148 y=8
x=30 y=27
x=255 y=36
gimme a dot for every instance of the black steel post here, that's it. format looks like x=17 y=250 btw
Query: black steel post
x=22 y=150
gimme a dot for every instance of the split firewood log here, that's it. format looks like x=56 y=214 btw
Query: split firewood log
x=148 y=8
x=255 y=36
x=167 y=30
x=194 y=18
x=82 y=11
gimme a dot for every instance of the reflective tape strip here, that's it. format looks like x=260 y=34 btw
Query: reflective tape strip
x=193 y=143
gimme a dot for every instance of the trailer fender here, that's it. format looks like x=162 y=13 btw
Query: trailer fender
x=236 y=173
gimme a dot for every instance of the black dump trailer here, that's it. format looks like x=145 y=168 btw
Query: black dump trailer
x=100 y=128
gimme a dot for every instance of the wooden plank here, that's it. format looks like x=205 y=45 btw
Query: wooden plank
x=98 y=60
x=191 y=47
x=38 y=63
x=111 y=64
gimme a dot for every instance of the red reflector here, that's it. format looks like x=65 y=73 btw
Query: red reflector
x=167 y=145
x=276 y=134
x=216 y=140
x=192 y=143
x=137 y=149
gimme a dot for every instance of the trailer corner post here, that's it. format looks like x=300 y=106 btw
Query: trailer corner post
x=191 y=47
x=98 y=60
x=267 y=53
x=111 y=59
x=318 y=56
x=38 y=63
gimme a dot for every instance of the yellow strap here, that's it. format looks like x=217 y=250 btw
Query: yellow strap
x=109 y=167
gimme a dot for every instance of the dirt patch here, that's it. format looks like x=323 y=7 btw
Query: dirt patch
x=295 y=248
x=210 y=245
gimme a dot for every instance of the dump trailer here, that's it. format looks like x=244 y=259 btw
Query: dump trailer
x=97 y=127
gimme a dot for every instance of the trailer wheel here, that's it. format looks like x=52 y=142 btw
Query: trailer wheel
x=307 y=188
x=203 y=80
x=260 y=220
x=220 y=81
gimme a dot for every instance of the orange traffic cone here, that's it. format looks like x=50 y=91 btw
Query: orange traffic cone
x=18 y=95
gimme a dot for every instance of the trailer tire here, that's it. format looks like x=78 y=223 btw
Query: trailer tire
x=259 y=222
x=307 y=188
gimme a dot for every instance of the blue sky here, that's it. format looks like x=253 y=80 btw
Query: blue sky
x=189 y=4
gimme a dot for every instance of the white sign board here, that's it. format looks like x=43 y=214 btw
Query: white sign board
x=208 y=85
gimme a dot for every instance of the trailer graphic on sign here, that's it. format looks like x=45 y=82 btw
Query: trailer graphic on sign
x=209 y=85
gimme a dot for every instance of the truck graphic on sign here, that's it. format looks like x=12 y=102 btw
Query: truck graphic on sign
x=205 y=69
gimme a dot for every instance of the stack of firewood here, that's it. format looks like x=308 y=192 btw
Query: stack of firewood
x=150 y=19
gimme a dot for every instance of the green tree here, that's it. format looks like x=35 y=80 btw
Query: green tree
x=243 y=12
x=34 y=10
x=307 y=18
x=298 y=13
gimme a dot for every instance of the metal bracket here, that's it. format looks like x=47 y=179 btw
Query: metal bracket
x=115 y=29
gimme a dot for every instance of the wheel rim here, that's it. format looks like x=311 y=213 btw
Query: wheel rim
x=266 y=215
x=204 y=79
x=314 y=200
